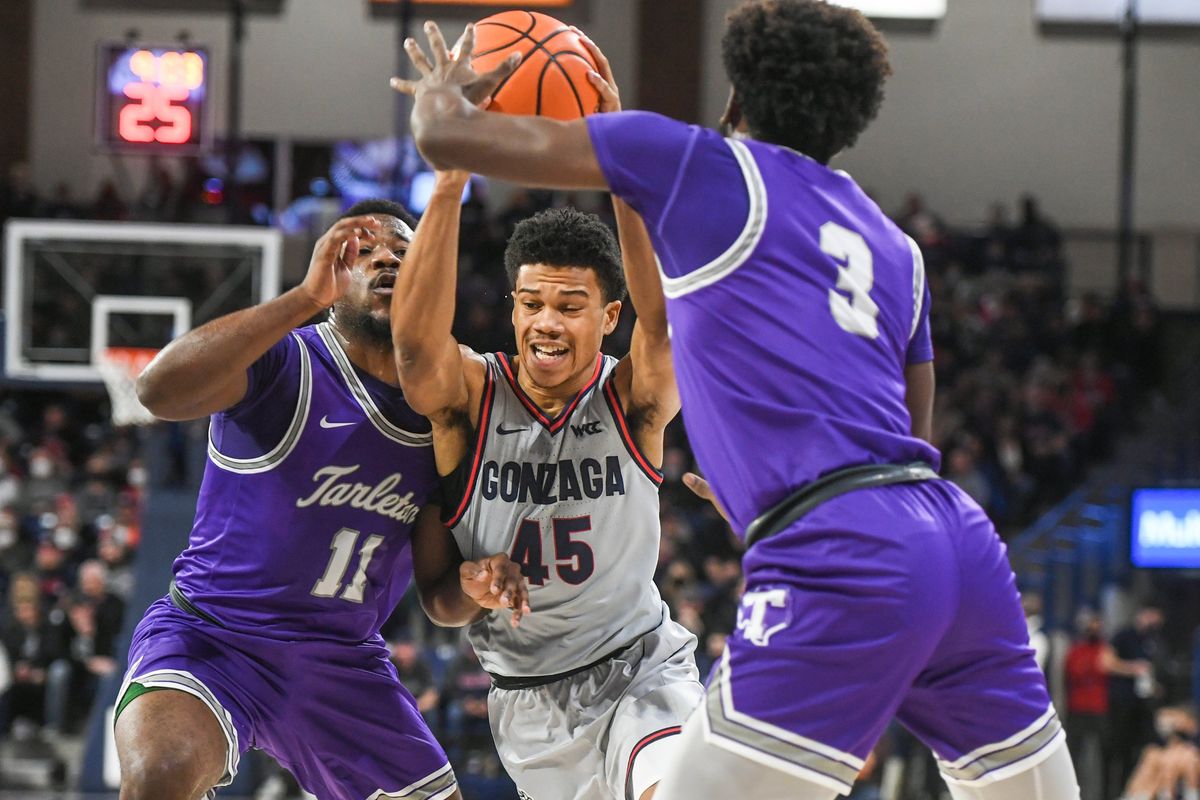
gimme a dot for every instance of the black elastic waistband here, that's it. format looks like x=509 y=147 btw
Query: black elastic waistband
x=509 y=682
x=180 y=601
x=829 y=486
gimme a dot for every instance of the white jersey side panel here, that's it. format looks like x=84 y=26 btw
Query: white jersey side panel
x=576 y=504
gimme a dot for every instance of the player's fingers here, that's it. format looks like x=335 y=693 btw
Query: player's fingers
x=437 y=43
x=602 y=65
x=472 y=571
x=485 y=84
x=698 y=485
x=417 y=56
x=403 y=86
x=609 y=99
x=465 y=45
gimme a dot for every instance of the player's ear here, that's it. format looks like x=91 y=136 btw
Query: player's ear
x=732 y=116
x=612 y=313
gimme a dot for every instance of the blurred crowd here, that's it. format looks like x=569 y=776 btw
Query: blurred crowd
x=1033 y=387
x=70 y=494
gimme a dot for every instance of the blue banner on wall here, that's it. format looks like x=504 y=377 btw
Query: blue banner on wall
x=1165 y=528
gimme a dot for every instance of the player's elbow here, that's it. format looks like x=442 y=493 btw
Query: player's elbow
x=153 y=394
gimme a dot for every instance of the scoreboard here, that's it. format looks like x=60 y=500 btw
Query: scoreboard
x=152 y=99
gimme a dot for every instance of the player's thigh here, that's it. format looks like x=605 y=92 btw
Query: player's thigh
x=707 y=768
x=1053 y=778
x=352 y=730
x=170 y=745
x=644 y=736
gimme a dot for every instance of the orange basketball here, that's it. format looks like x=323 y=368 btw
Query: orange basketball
x=552 y=78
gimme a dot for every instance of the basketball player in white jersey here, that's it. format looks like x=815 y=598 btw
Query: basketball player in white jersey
x=552 y=457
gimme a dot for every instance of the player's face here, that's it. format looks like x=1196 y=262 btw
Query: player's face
x=560 y=319
x=367 y=304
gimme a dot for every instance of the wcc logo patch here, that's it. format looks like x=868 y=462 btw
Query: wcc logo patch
x=586 y=429
x=762 y=614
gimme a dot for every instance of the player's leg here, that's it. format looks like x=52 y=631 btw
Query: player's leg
x=350 y=729
x=170 y=747
x=179 y=719
x=703 y=768
x=662 y=693
x=981 y=702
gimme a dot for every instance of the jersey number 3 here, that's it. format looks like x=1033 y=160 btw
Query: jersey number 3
x=856 y=275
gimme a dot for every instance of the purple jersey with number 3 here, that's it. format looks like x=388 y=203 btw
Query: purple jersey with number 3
x=795 y=305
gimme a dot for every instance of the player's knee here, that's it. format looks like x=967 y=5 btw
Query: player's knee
x=164 y=776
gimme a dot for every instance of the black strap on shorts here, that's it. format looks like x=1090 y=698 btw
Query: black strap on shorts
x=180 y=601
x=529 y=682
x=829 y=486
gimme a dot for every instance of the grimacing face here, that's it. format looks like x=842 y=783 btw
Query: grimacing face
x=374 y=269
x=365 y=308
x=560 y=319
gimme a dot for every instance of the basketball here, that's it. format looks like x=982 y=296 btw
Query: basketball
x=552 y=78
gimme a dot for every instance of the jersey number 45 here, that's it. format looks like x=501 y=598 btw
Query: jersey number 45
x=573 y=558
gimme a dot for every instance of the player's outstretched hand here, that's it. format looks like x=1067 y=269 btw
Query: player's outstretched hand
x=496 y=582
x=333 y=257
x=606 y=85
x=451 y=68
x=701 y=489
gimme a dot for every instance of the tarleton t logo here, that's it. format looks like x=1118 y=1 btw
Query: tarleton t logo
x=763 y=614
x=586 y=429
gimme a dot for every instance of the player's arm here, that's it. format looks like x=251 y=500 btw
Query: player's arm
x=646 y=378
x=427 y=356
x=439 y=378
x=453 y=133
x=204 y=371
x=919 y=384
x=455 y=592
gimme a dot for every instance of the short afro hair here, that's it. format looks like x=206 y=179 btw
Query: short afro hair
x=564 y=237
x=808 y=75
x=388 y=208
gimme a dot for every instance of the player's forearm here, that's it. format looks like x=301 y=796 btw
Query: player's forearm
x=447 y=605
x=204 y=371
x=424 y=297
x=641 y=271
x=532 y=151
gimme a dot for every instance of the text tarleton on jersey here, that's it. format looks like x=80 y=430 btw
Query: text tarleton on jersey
x=378 y=498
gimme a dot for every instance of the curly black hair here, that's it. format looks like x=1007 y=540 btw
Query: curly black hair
x=808 y=75
x=564 y=237
x=380 y=206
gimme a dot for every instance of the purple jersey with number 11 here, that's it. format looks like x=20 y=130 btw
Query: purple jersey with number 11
x=794 y=306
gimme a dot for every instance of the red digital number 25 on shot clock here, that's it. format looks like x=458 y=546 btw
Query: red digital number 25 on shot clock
x=152 y=99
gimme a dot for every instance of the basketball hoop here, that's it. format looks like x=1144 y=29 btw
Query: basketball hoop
x=120 y=367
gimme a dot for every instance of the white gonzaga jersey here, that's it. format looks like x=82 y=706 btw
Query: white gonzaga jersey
x=573 y=501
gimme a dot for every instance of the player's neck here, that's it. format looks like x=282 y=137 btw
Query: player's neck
x=373 y=359
x=554 y=399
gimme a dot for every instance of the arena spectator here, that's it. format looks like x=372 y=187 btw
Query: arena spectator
x=1086 y=669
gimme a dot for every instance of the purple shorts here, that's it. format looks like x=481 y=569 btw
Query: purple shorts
x=334 y=714
x=895 y=602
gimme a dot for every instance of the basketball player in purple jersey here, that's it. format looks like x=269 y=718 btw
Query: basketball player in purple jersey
x=800 y=335
x=319 y=478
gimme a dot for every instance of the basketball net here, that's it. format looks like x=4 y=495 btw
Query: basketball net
x=120 y=367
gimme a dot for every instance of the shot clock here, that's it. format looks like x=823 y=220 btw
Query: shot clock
x=152 y=99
